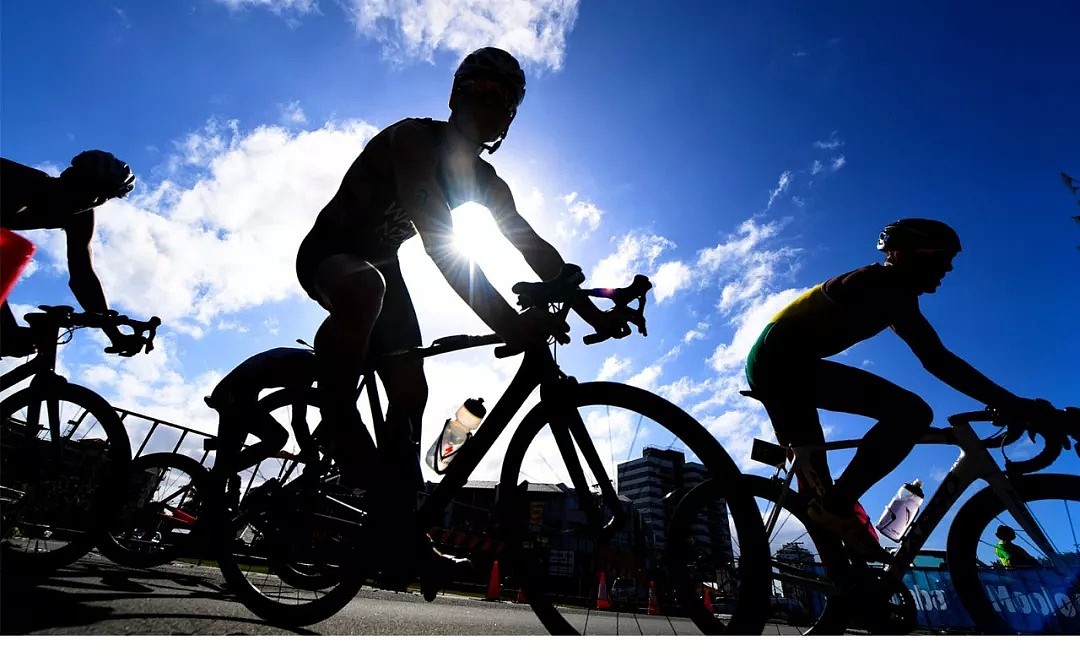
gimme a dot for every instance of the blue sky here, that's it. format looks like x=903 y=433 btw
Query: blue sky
x=735 y=154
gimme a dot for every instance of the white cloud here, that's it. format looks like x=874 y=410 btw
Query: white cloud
x=833 y=142
x=292 y=113
x=533 y=30
x=613 y=366
x=636 y=253
x=124 y=20
x=837 y=163
x=279 y=7
x=817 y=167
x=669 y=278
x=781 y=186
x=583 y=217
x=697 y=333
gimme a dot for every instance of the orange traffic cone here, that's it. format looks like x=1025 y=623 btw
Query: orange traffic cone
x=708 y=598
x=494 y=591
x=602 y=600
x=521 y=596
x=654 y=604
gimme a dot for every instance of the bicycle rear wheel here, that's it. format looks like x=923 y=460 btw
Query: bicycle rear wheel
x=285 y=561
x=65 y=453
x=1038 y=599
x=163 y=504
x=808 y=563
x=566 y=564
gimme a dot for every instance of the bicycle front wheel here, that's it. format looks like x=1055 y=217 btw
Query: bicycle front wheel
x=615 y=572
x=1035 y=597
x=157 y=521
x=64 y=454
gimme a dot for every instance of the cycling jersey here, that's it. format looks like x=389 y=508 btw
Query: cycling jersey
x=1012 y=555
x=833 y=316
x=373 y=224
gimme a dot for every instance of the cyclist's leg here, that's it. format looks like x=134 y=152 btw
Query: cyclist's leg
x=786 y=386
x=902 y=418
x=792 y=392
x=272 y=437
x=351 y=289
x=402 y=374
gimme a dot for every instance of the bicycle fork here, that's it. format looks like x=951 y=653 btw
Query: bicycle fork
x=569 y=431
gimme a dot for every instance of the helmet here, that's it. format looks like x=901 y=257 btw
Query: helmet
x=495 y=64
x=101 y=173
x=1005 y=533
x=918 y=233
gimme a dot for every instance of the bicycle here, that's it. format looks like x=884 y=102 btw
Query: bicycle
x=305 y=556
x=1044 y=509
x=172 y=499
x=64 y=448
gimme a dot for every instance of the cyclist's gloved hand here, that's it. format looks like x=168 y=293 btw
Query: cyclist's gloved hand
x=125 y=345
x=612 y=325
x=1028 y=414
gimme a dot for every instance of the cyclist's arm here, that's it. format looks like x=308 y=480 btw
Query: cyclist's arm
x=917 y=332
x=541 y=256
x=413 y=158
x=83 y=281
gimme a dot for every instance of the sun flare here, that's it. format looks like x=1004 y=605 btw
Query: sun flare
x=476 y=236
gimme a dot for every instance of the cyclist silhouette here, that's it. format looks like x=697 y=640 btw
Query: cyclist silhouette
x=787 y=369
x=32 y=200
x=1009 y=553
x=406 y=181
x=236 y=397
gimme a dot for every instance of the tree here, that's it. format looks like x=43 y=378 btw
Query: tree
x=1071 y=184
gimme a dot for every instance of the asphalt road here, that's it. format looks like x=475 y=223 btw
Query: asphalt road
x=96 y=597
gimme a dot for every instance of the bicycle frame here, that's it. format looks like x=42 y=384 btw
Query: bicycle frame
x=42 y=367
x=538 y=369
x=974 y=463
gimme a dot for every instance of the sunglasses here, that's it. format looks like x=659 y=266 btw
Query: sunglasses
x=488 y=90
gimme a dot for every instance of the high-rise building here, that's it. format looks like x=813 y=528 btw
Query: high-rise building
x=659 y=472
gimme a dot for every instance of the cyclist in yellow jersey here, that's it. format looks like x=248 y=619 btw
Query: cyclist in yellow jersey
x=405 y=182
x=788 y=370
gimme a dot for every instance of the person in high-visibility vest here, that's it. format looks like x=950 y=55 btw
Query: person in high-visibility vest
x=33 y=200
x=1009 y=553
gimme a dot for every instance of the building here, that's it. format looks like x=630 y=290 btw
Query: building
x=657 y=473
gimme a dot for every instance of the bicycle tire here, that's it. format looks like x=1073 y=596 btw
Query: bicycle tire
x=970 y=528
x=76 y=502
x=122 y=545
x=267 y=550
x=557 y=613
x=816 y=549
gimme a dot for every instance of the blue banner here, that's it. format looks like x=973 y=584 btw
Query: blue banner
x=1029 y=599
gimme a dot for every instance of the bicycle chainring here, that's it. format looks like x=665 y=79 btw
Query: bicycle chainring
x=882 y=604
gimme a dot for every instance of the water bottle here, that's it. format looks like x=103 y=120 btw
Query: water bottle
x=901 y=511
x=456 y=431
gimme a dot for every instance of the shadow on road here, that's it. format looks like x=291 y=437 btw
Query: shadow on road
x=73 y=597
